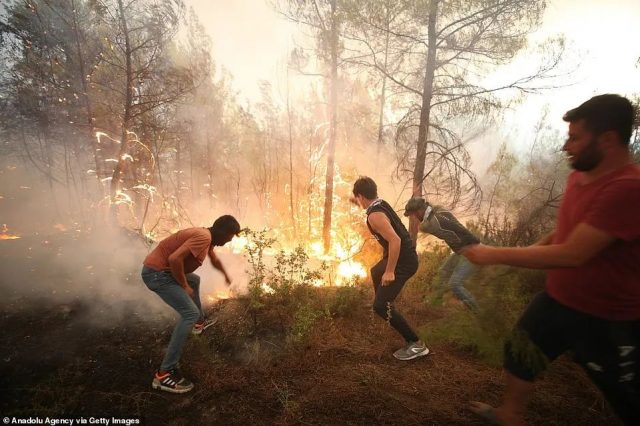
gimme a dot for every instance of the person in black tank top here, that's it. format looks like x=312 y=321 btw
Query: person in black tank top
x=399 y=262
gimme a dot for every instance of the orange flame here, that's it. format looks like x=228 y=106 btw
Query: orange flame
x=8 y=237
x=5 y=235
x=219 y=295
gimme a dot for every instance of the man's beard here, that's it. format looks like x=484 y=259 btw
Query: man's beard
x=589 y=158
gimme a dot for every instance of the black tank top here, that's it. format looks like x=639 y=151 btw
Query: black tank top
x=407 y=248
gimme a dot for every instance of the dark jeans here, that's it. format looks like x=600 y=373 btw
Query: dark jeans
x=609 y=351
x=385 y=295
x=190 y=309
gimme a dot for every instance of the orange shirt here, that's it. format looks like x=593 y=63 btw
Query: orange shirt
x=198 y=240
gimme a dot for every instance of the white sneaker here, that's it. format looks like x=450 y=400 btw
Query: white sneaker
x=411 y=351
x=199 y=327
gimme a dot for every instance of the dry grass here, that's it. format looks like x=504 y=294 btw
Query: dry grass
x=341 y=373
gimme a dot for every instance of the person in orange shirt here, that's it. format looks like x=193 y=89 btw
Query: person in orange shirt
x=168 y=271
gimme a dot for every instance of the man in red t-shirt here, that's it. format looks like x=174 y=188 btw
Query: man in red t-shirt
x=591 y=302
x=168 y=271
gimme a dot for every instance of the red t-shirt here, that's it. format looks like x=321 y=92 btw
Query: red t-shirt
x=198 y=240
x=608 y=285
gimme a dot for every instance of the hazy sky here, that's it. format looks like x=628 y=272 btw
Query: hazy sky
x=251 y=41
x=602 y=35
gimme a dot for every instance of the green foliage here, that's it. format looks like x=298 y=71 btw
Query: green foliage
x=345 y=300
x=258 y=242
x=304 y=319
x=285 y=397
x=426 y=279
x=523 y=196
x=291 y=270
x=523 y=349
x=283 y=289
x=502 y=294
x=286 y=287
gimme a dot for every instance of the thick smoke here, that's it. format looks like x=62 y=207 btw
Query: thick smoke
x=61 y=263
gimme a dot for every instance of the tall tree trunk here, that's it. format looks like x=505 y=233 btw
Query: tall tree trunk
x=425 y=112
x=291 y=204
x=85 y=92
x=333 y=118
x=48 y=155
x=493 y=193
x=210 y=150
x=126 y=118
x=178 y=183
x=310 y=183
x=383 y=93
x=192 y=184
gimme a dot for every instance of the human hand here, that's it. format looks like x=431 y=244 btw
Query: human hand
x=188 y=290
x=388 y=278
x=478 y=254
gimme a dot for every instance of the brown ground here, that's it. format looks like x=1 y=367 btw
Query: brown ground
x=67 y=358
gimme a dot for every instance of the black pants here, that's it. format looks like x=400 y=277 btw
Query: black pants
x=609 y=351
x=385 y=295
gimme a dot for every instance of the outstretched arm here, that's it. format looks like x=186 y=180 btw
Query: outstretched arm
x=215 y=262
x=583 y=244
x=546 y=240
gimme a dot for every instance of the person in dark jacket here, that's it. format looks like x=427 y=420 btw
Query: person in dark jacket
x=443 y=224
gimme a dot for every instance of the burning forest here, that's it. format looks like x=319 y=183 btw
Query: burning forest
x=240 y=213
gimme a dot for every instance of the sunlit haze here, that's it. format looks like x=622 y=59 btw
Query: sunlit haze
x=252 y=41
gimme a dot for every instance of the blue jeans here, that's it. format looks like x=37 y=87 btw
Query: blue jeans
x=190 y=310
x=454 y=272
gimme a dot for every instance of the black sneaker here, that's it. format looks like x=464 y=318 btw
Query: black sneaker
x=171 y=381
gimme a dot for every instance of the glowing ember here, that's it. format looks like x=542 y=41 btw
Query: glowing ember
x=122 y=198
x=99 y=135
x=8 y=237
x=239 y=244
x=348 y=270
x=267 y=289
x=220 y=295
x=5 y=235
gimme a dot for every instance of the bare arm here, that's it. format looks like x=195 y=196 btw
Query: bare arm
x=583 y=244
x=380 y=223
x=546 y=240
x=215 y=262
x=176 y=263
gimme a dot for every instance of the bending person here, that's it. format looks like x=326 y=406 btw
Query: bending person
x=168 y=271
x=443 y=224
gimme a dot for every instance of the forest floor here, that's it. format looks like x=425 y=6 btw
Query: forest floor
x=71 y=357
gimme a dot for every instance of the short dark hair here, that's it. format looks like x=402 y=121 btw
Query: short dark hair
x=366 y=187
x=226 y=225
x=603 y=113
